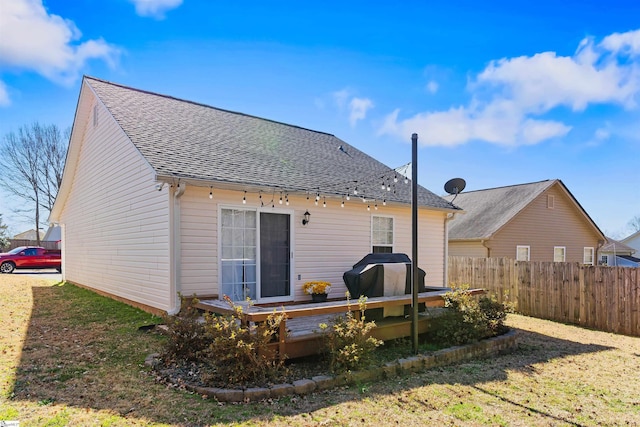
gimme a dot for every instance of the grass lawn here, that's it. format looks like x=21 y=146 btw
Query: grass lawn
x=70 y=357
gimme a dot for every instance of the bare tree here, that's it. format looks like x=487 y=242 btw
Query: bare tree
x=4 y=238
x=52 y=166
x=32 y=166
x=634 y=224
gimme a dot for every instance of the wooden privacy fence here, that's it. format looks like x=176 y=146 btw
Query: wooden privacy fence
x=599 y=297
x=14 y=243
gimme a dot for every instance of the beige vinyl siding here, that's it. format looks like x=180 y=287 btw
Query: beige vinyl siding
x=334 y=240
x=116 y=223
x=199 y=244
x=467 y=249
x=564 y=225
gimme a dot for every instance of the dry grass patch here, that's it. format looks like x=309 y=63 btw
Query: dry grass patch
x=70 y=357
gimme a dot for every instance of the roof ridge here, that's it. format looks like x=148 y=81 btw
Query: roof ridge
x=510 y=186
x=200 y=104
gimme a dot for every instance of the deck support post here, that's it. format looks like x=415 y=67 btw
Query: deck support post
x=414 y=241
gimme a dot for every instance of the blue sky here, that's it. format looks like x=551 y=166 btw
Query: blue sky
x=499 y=93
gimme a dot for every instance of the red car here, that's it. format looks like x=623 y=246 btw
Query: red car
x=31 y=257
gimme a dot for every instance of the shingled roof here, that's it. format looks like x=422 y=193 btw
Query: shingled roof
x=489 y=210
x=186 y=140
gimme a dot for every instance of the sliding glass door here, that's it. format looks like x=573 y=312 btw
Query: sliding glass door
x=255 y=255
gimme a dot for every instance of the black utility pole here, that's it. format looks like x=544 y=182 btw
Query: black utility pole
x=414 y=240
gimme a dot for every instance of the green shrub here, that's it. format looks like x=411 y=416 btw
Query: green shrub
x=225 y=350
x=467 y=318
x=348 y=341
x=238 y=353
x=186 y=334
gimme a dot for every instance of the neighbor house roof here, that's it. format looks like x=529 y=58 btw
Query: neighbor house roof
x=615 y=247
x=487 y=211
x=631 y=237
x=202 y=144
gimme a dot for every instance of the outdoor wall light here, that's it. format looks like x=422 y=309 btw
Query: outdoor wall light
x=307 y=218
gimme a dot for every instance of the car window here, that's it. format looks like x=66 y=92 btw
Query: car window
x=17 y=250
x=31 y=252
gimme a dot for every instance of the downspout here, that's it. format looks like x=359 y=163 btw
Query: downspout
x=484 y=243
x=445 y=274
x=175 y=261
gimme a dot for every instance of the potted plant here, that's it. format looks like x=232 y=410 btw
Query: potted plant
x=317 y=289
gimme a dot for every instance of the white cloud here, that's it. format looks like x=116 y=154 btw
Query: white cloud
x=155 y=8
x=358 y=108
x=601 y=134
x=340 y=97
x=628 y=43
x=460 y=125
x=511 y=95
x=432 y=86
x=4 y=95
x=33 y=39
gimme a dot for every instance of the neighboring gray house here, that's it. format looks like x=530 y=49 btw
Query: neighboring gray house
x=633 y=241
x=28 y=235
x=538 y=221
x=162 y=196
x=617 y=254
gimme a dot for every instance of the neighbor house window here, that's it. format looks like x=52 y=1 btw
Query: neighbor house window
x=587 y=258
x=604 y=259
x=522 y=253
x=382 y=234
x=551 y=200
x=559 y=253
x=95 y=116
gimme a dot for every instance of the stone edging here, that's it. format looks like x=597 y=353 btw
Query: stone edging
x=491 y=346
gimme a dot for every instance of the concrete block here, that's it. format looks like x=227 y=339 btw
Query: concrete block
x=304 y=386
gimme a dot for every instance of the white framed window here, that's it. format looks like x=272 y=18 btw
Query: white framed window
x=559 y=253
x=587 y=258
x=604 y=259
x=523 y=253
x=382 y=234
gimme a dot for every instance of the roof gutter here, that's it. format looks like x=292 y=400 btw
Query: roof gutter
x=175 y=287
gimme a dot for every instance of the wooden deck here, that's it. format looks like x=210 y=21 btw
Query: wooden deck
x=299 y=333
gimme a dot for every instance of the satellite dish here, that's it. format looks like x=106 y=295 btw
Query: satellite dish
x=455 y=186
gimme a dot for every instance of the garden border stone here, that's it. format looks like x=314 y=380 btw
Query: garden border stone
x=488 y=347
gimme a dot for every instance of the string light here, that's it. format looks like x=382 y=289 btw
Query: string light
x=324 y=202
x=342 y=204
x=211 y=192
x=244 y=198
x=384 y=202
x=376 y=206
x=395 y=178
x=382 y=186
x=286 y=198
x=368 y=208
x=280 y=201
x=261 y=202
x=406 y=180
